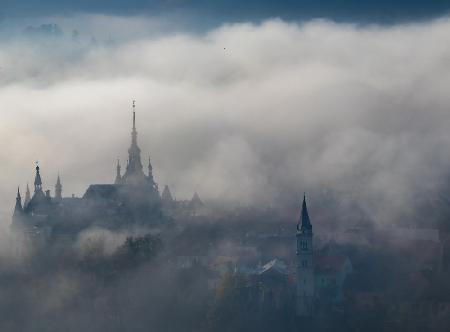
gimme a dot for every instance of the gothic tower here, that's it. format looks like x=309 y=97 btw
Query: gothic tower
x=39 y=202
x=305 y=267
x=58 y=190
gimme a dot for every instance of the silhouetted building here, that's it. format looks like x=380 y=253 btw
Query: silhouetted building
x=320 y=278
x=305 y=267
x=133 y=198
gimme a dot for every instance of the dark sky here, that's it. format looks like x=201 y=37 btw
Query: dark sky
x=380 y=11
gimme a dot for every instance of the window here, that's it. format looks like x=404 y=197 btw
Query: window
x=304 y=263
x=304 y=245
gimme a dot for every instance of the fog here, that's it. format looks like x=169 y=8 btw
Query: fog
x=243 y=113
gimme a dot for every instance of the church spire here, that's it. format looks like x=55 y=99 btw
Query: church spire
x=134 y=131
x=37 y=179
x=134 y=173
x=27 y=197
x=118 y=176
x=58 y=189
x=304 y=225
x=18 y=208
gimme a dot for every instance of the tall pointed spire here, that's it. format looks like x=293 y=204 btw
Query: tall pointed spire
x=304 y=225
x=27 y=196
x=18 y=208
x=58 y=189
x=134 y=131
x=118 y=175
x=37 y=179
x=134 y=172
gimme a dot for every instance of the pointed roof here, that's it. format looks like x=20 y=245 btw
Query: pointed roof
x=134 y=173
x=196 y=199
x=58 y=189
x=37 y=180
x=118 y=179
x=18 y=209
x=304 y=224
x=166 y=194
x=27 y=196
x=196 y=202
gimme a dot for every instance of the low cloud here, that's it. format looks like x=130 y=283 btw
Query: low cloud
x=250 y=113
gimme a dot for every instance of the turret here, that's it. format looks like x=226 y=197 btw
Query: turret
x=37 y=180
x=27 y=197
x=18 y=209
x=58 y=190
x=118 y=179
x=166 y=195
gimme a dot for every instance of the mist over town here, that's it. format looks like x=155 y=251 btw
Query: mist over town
x=245 y=172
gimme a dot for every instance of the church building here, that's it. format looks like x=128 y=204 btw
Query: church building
x=132 y=198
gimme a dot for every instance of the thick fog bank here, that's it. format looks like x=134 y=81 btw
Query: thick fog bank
x=246 y=113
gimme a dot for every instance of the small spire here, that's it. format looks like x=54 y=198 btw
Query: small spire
x=118 y=175
x=37 y=179
x=166 y=195
x=18 y=208
x=58 y=189
x=134 y=114
x=27 y=196
x=304 y=224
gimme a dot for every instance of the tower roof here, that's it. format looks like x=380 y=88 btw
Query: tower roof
x=134 y=173
x=166 y=194
x=304 y=224
x=27 y=196
x=18 y=208
x=196 y=202
x=118 y=179
x=37 y=179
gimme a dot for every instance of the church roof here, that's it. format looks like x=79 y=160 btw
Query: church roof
x=304 y=224
x=276 y=266
x=106 y=191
